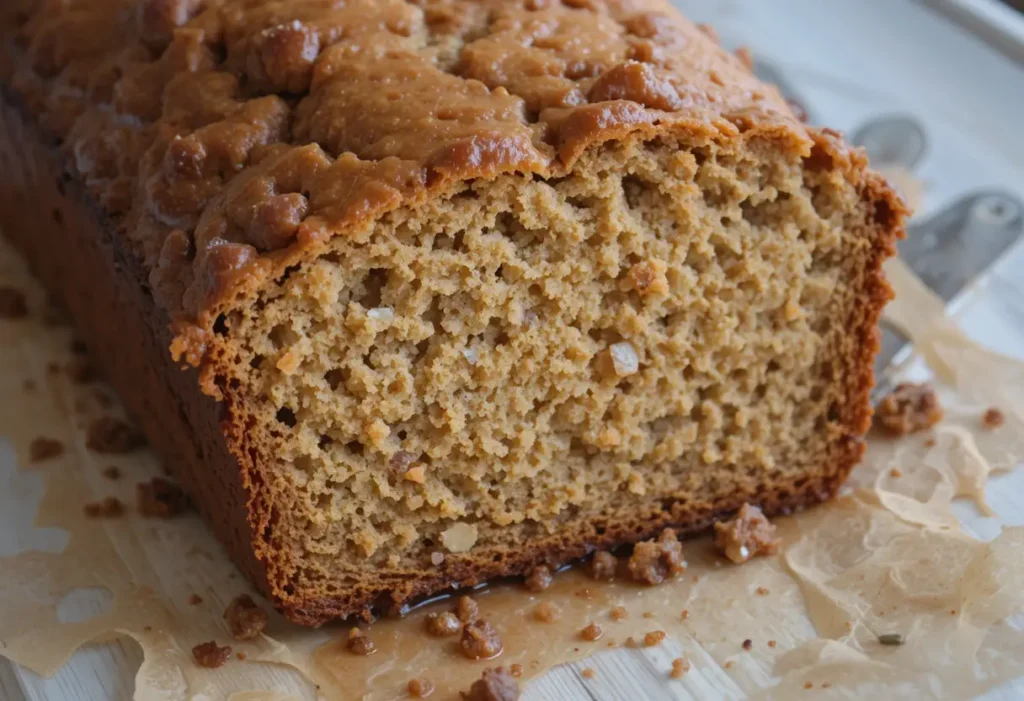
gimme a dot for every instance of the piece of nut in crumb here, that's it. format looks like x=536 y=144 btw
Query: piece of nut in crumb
x=747 y=535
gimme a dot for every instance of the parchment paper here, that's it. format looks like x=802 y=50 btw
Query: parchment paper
x=889 y=556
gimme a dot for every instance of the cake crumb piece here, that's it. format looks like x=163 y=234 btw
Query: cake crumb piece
x=993 y=418
x=653 y=561
x=748 y=644
x=516 y=670
x=359 y=643
x=545 y=612
x=467 y=609
x=603 y=566
x=654 y=638
x=44 y=449
x=109 y=507
x=539 y=579
x=930 y=443
x=210 y=654
x=109 y=435
x=747 y=535
x=160 y=498
x=420 y=688
x=648 y=614
x=240 y=655
x=772 y=643
x=112 y=472
x=480 y=641
x=619 y=613
x=245 y=619
x=588 y=673
x=494 y=685
x=592 y=632
x=763 y=591
x=685 y=614
x=896 y=472
x=443 y=624
x=729 y=664
x=907 y=409
x=195 y=600
x=459 y=537
x=12 y=303
x=680 y=666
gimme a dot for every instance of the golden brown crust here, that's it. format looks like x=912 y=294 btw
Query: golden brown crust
x=194 y=237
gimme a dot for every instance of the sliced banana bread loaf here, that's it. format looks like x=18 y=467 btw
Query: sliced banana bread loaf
x=411 y=294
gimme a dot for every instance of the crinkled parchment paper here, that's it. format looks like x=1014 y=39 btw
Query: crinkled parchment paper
x=888 y=557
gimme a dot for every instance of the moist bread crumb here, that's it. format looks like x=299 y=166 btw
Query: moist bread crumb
x=420 y=688
x=494 y=685
x=359 y=643
x=908 y=409
x=467 y=609
x=746 y=535
x=245 y=619
x=603 y=566
x=539 y=579
x=160 y=498
x=680 y=666
x=653 y=560
x=211 y=655
x=109 y=435
x=588 y=673
x=42 y=448
x=625 y=294
x=443 y=624
x=654 y=637
x=993 y=418
x=480 y=641
x=592 y=632
x=12 y=303
x=108 y=507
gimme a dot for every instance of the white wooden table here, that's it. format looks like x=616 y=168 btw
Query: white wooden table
x=852 y=60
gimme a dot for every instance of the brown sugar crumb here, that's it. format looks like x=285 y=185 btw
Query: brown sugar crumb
x=467 y=609
x=993 y=418
x=113 y=436
x=680 y=666
x=195 y=600
x=748 y=644
x=516 y=670
x=245 y=619
x=747 y=535
x=907 y=409
x=12 y=303
x=443 y=624
x=110 y=507
x=41 y=449
x=160 y=498
x=592 y=632
x=359 y=643
x=603 y=566
x=896 y=472
x=112 y=472
x=619 y=613
x=772 y=643
x=420 y=688
x=539 y=579
x=588 y=673
x=210 y=654
x=653 y=561
x=480 y=641
x=763 y=591
x=685 y=614
x=808 y=685
x=495 y=685
x=545 y=612
x=631 y=642
x=654 y=638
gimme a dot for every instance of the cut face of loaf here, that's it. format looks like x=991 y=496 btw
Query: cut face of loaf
x=460 y=287
x=526 y=367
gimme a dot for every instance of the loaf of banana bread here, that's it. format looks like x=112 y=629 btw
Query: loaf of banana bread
x=410 y=294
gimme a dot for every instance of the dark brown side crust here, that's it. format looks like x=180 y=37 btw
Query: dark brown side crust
x=73 y=248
